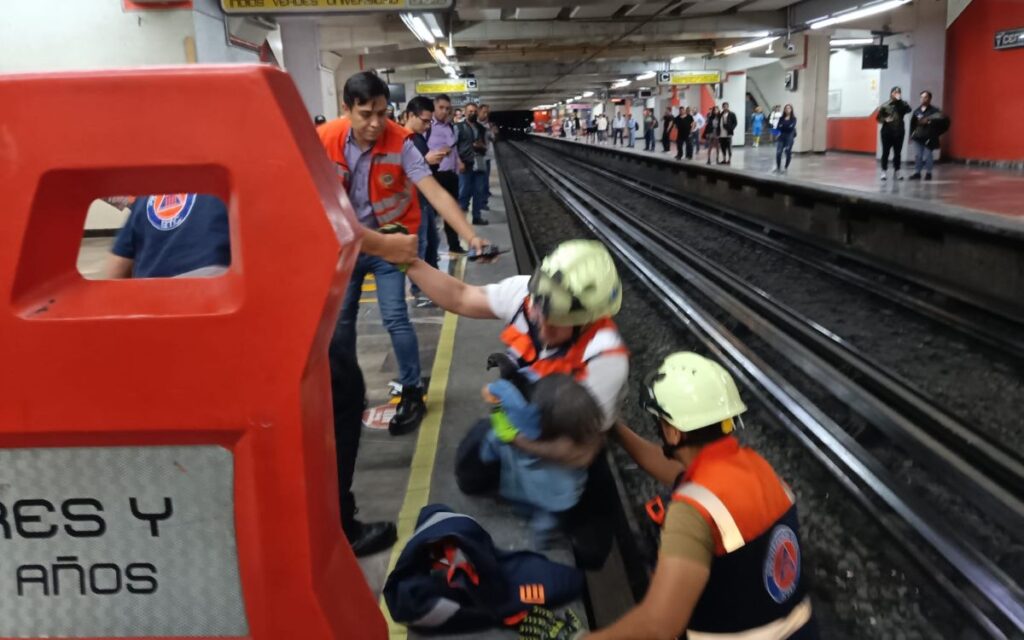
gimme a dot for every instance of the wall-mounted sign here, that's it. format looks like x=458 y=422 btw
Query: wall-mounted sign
x=689 y=77
x=285 y=7
x=1010 y=39
x=578 y=106
x=447 y=85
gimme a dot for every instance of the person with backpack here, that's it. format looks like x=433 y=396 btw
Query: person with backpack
x=729 y=124
x=650 y=124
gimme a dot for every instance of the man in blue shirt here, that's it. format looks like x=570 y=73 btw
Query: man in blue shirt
x=170 y=235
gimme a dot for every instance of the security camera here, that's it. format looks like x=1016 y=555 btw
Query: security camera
x=790 y=47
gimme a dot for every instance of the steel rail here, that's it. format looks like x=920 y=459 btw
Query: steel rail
x=853 y=466
x=995 y=330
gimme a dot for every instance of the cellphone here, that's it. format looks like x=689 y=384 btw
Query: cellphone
x=490 y=251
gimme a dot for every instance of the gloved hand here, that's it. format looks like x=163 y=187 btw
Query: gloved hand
x=509 y=370
x=544 y=624
x=522 y=416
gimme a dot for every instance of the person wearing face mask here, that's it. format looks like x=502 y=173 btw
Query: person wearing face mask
x=730 y=562
x=890 y=116
x=472 y=147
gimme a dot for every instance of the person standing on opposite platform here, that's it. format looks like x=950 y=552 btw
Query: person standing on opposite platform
x=631 y=128
x=730 y=563
x=667 y=124
x=773 y=121
x=698 y=127
x=891 y=115
x=712 y=131
x=381 y=169
x=757 y=126
x=729 y=124
x=926 y=125
x=650 y=124
x=684 y=125
x=441 y=137
x=618 y=128
x=786 y=128
x=602 y=128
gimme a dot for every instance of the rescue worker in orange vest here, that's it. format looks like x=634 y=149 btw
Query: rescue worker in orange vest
x=381 y=169
x=730 y=563
x=559 y=320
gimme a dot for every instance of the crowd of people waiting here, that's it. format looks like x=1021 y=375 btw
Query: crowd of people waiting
x=712 y=132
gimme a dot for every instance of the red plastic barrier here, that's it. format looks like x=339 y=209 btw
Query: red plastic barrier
x=153 y=431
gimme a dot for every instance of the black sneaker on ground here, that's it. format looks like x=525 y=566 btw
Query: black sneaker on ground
x=927 y=176
x=481 y=222
x=368 y=538
x=915 y=176
x=411 y=410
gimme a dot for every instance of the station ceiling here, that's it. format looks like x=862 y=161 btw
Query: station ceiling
x=529 y=52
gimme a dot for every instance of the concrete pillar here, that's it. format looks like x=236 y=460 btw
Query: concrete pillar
x=810 y=100
x=929 y=52
x=300 y=40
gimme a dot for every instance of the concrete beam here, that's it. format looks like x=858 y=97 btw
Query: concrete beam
x=488 y=33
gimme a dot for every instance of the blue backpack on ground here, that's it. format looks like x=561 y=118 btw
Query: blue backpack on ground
x=450 y=578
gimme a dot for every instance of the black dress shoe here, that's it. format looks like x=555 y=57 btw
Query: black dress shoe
x=481 y=222
x=411 y=410
x=916 y=176
x=371 y=537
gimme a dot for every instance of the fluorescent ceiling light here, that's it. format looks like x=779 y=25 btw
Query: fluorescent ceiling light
x=435 y=29
x=440 y=57
x=588 y=94
x=418 y=27
x=579 y=97
x=677 y=59
x=747 y=46
x=850 y=42
x=647 y=75
x=857 y=14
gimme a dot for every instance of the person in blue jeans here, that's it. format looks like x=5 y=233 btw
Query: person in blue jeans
x=420 y=112
x=786 y=132
x=472 y=147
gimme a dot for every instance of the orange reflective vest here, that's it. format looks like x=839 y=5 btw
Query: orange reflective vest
x=392 y=194
x=595 y=339
x=756 y=589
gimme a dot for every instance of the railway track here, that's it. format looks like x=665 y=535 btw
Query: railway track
x=800 y=371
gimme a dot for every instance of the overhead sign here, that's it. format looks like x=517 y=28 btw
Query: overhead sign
x=1010 y=39
x=459 y=85
x=285 y=7
x=689 y=77
x=119 y=541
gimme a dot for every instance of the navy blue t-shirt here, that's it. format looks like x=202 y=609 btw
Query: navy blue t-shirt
x=172 y=234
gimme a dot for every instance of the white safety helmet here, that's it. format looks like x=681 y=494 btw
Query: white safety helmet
x=691 y=392
x=576 y=284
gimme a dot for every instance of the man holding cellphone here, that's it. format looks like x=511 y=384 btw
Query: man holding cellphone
x=441 y=138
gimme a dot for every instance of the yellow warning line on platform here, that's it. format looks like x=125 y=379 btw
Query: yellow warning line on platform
x=417 y=493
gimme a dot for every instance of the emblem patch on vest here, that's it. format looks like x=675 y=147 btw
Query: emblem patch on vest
x=169 y=211
x=387 y=179
x=782 y=564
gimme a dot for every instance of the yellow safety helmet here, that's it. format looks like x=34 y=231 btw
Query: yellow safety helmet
x=576 y=284
x=691 y=392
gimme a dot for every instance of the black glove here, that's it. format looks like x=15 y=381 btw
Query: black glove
x=508 y=369
x=544 y=624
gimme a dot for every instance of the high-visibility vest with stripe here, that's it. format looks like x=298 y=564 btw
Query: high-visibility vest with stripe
x=392 y=194
x=757 y=586
x=595 y=339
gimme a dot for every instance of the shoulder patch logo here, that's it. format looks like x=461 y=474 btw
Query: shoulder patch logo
x=782 y=564
x=169 y=211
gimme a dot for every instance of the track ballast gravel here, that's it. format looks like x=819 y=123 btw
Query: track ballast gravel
x=862 y=586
